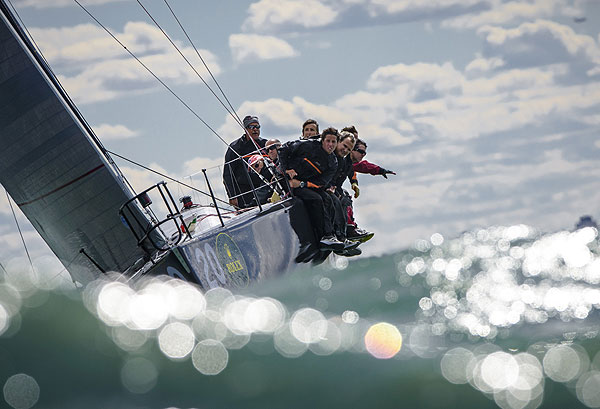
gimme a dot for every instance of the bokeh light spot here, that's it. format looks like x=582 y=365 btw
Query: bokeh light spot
x=21 y=391
x=454 y=365
x=383 y=340
x=561 y=363
x=176 y=340
x=210 y=357
x=139 y=375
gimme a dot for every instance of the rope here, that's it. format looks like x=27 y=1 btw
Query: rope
x=19 y=228
x=66 y=268
x=151 y=73
x=235 y=118
x=203 y=62
x=36 y=51
x=165 y=85
x=165 y=176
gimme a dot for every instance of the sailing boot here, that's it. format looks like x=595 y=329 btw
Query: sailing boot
x=348 y=245
x=352 y=252
x=331 y=243
x=355 y=233
x=307 y=252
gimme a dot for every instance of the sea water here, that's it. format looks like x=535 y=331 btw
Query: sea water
x=497 y=317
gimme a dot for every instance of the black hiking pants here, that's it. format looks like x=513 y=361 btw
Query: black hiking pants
x=319 y=206
x=339 y=217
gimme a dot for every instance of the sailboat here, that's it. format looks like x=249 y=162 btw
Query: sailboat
x=68 y=186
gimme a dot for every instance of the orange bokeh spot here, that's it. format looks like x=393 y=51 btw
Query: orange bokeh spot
x=383 y=340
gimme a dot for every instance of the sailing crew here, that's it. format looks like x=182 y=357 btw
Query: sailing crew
x=360 y=165
x=358 y=154
x=310 y=129
x=277 y=178
x=236 y=177
x=271 y=147
x=260 y=176
x=341 y=198
x=310 y=166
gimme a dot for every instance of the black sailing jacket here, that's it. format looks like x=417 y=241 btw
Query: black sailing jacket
x=311 y=162
x=235 y=171
x=344 y=170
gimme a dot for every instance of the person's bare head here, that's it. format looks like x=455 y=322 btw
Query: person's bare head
x=329 y=139
x=310 y=127
x=345 y=144
x=352 y=130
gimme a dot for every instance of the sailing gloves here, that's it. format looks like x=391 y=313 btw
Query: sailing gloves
x=356 y=190
x=384 y=172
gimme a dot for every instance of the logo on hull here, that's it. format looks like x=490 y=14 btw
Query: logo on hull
x=232 y=260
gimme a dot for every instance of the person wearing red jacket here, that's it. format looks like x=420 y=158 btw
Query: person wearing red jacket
x=360 y=165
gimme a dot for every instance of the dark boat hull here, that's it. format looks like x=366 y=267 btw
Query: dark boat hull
x=257 y=245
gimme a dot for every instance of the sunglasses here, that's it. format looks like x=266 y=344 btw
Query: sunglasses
x=253 y=126
x=256 y=165
x=361 y=151
x=270 y=148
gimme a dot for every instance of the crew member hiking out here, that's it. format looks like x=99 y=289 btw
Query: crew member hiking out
x=311 y=165
x=310 y=129
x=235 y=171
x=360 y=165
x=340 y=197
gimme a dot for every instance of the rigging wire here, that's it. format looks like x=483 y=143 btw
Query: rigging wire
x=37 y=51
x=19 y=228
x=151 y=72
x=202 y=59
x=27 y=30
x=165 y=176
x=235 y=118
x=258 y=148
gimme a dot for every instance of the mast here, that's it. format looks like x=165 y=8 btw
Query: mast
x=55 y=169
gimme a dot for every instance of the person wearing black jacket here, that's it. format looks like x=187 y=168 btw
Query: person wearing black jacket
x=235 y=171
x=344 y=171
x=310 y=129
x=310 y=166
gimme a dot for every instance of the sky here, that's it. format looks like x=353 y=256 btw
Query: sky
x=488 y=110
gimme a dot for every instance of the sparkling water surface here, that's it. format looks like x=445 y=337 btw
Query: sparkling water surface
x=498 y=317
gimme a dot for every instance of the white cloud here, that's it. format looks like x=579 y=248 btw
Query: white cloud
x=88 y=42
x=269 y=15
x=194 y=167
x=483 y=65
x=253 y=47
x=427 y=197
x=507 y=12
x=441 y=78
x=107 y=132
x=4 y=205
x=540 y=43
x=295 y=15
x=420 y=8
x=407 y=103
x=97 y=69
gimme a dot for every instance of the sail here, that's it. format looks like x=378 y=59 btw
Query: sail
x=52 y=168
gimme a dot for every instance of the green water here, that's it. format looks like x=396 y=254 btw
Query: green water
x=493 y=318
